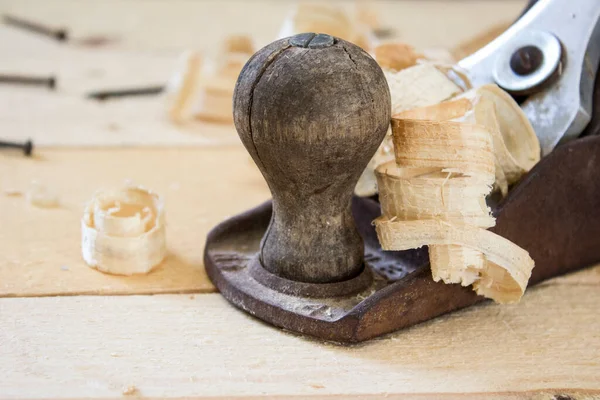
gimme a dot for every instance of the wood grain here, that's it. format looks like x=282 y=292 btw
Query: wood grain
x=143 y=45
x=176 y=346
x=170 y=25
x=40 y=251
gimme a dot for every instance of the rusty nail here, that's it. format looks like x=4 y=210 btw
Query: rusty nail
x=27 y=146
x=144 y=91
x=59 y=34
x=50 y=81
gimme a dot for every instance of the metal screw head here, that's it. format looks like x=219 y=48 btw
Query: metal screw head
x=312 y=40
x=527 y=62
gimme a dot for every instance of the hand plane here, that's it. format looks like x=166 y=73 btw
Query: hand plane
x=312 y=109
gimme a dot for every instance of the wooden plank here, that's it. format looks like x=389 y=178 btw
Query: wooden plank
x=40 y=251
x=40 y=248
x=65 y=117
x=176 y=346
x=172 y=25
x=150 y=38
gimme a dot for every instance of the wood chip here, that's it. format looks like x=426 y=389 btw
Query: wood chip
x=239 y=44
x=123 y=231
x=12 y=192
x=130 y=390
x=183 y=85
x=39 y=195
x=213 y=103
x=330 y=19
x=204 y=90
x=396 y=56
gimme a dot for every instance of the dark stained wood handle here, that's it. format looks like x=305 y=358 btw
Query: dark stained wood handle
x=312 y=110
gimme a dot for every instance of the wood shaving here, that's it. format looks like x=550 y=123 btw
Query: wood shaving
x=516 y=147
x=239 y=44
x=329 y=19
x=434 y=194
x=396 y=56
x=41 y=196
x=183 y=85
x=12 y=193
x=123 y=231
x=204 y=90
x=497 y=268
x=130 y=390
x=214 y=100
x=417 y=86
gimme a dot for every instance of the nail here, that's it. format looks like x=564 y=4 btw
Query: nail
x=50 y=81
x=145 y=91
x=27 y=146
x=383 y=33
x=59 y=34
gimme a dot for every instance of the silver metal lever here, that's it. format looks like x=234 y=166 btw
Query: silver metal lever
x=560 y=85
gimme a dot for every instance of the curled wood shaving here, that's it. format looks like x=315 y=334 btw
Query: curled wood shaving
x=330 y=19
x=183 y=85
x=516 y=147
x=396 y=56
x=123 y=231
x=239 y=44
x=204 y=91
x=416 y=86
x=434 y=194
x=214 y=101
x=497 y=268
x=216 y=94
x=419 y=86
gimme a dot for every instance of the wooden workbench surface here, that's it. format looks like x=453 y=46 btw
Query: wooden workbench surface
x=67 y=331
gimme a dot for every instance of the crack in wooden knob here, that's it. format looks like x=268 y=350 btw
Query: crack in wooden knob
x=312 y=110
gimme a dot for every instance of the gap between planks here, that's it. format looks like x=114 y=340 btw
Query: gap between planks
x=182 y=346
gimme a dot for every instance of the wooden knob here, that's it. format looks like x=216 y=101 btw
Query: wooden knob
x=312 y=110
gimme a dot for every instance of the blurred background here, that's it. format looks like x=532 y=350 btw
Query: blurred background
x=139 y=44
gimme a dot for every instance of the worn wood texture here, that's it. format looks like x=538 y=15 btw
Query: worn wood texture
x=40 y=249
x=176 y=346
x=312 y=111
